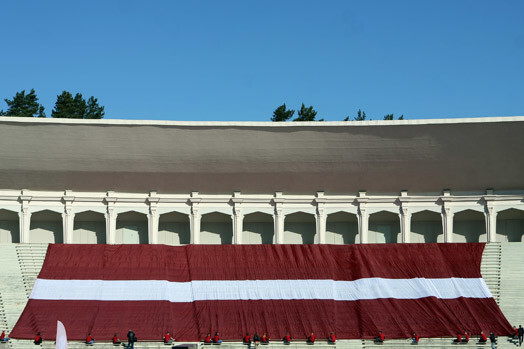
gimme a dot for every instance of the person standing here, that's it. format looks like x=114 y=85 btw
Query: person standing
x=521 y=334
x=493 y=340
x=131 y=339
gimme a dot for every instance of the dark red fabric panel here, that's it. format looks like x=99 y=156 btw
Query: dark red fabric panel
x=260 y=262
x=191 y=321
x=429 y=317
x=115 y=262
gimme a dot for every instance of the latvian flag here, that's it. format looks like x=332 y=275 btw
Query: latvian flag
x=352 y=290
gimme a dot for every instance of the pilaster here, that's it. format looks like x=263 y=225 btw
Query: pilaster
x=278 y=218
x=238 y=225
x=320 y=218
x=68 y=218
x=111 y=216
x=24 y=218
x=363 y=218
x=491 y=222
x=447 y=222
x=405 y=224
x=195 y=218
x=153 y=218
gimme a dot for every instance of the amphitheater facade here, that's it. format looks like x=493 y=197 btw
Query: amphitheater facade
x=172 y=183
x=176 y=183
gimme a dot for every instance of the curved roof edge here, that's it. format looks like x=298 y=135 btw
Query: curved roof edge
x=126 y=122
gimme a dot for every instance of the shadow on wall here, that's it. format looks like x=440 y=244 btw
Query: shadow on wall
x=216 y=228
x=258 y=229
x=510 y=225
x=89 y=228
x=426 y=227
x=299 y=228
x=46 y=227
x=342 y=228
x=469 y=226
x=174 y=229
x=131 y=228
x=9 y=227
x=384 y=227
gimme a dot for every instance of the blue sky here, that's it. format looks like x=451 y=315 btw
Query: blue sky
x=239 y=60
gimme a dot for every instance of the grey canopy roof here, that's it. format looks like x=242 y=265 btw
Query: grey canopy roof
x=263 y=157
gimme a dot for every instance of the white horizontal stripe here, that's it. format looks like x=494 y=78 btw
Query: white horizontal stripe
x=159 y=290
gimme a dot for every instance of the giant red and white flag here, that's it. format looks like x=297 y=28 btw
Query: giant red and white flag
x=354 y=290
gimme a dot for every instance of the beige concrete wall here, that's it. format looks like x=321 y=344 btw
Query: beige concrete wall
x=216 y=233
x=299 y=232
x=510 y=226
x=86 y=232
x=341 y=233
x=258 y=233
x=173 y=233
x=469 y=226
x=384 y=227
x=426 y=232
x=9 y=232
x=46 y=232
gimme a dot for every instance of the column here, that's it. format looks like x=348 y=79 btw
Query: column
x=447 y=223
x=238 y=225
x=24 y=217
x=405 y=224
x=111 y=225
x=363 y=221
x=491 y=222
x=152 y=220
x=278 y=219
x=195 y=225
x=321 y=225
x=68 y=221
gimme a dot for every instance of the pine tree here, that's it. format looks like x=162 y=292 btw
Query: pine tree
x=361 y=116
x=76 y=107
x=391 y=117
x=281 y=114
x=24 y=105
x=94 y=111
x=306 y=114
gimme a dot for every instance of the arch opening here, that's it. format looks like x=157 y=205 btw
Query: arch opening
x=258 y=228
x=89 y=228
x=174 y=229
x=216 y=228
x=9 y=227
x=469 y=226
x=384 y=227
x=342 y=228
x=510 y=225
x=426 y=227
x=46 y=227
x=131 y=228
x=300 y=228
